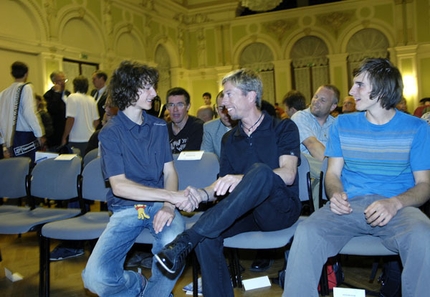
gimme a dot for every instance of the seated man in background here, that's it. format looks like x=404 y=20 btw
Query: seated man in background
x=258 y=169
x=213 y=131
x=205 y=113
x=294 y=101
x=314 y=124
x=378 y=175
x=185 y=131
x=348 y=104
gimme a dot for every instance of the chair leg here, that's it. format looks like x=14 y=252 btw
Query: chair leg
x=195 y=265
x=44 y=266
x=236 y=275
x=375 y=266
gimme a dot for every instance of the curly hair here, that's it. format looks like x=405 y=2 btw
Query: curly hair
x=246 y=80
x=385 y=79
x=127 y=80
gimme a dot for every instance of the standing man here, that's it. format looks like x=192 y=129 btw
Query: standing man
x=259 y=159
x=213 y=131
x=207 y=98
x=56 y=98
x=21 y=131
x=378 y=175
x=185 y=131
x=348 y=105
x=81 y=116
x=137 y=161
x=99 y=79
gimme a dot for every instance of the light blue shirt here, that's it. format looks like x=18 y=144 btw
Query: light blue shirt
x=309 y=126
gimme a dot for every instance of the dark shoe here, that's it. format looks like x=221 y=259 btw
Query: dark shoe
x=62 y=253
x=261 y=265
x=136 y=259
x=147 y=262
x=172 y=256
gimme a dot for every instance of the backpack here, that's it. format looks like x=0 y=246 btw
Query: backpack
x=390 y=279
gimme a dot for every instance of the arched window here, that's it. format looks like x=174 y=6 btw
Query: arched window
x=366 y=43
x=259 y=57
x=310 y=65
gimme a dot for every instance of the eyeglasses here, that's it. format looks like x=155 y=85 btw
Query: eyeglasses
x=179 y=105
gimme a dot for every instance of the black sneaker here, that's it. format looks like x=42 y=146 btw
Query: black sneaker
x=172 y=256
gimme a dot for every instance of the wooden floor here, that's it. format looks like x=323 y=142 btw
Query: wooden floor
x=21 y=254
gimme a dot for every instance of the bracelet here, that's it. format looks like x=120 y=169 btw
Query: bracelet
x=207 y=195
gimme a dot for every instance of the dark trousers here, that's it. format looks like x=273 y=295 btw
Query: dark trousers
x=260 y=202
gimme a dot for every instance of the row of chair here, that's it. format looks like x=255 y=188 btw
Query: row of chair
x=63 y=180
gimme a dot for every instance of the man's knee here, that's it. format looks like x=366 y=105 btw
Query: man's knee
x=260 y=170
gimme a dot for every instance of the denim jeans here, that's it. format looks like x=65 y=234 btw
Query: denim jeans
x=324 y=234
x=105 y=274
x=261 y=201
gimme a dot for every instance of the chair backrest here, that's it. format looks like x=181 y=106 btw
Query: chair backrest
x=304 y=175
x=56 y=179
x=14 y=174
x=94 y=186
x=91 y=155
x=197 y=173
x=322 y=194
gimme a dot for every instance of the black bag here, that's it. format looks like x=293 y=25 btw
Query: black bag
x=391 y=278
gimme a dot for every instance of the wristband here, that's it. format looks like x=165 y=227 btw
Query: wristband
x=207 y=195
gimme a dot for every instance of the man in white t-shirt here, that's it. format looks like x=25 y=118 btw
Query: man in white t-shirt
x=82 y=116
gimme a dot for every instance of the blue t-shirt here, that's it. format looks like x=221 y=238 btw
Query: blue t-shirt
x=379 y=159
x=138 y=151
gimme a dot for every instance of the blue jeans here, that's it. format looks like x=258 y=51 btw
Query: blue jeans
x=324 y=234
x=261 y=201
x=105 y=274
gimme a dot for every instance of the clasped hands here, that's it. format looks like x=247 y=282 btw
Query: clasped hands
x=191 y=199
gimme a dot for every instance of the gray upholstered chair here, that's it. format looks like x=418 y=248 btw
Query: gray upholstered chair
x=51 y=179
x=88 y=226
x=269 y=239
x=91 y=155
x=14 y=174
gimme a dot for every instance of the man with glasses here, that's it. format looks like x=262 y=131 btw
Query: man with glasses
x=185 y=131
x=56 y=105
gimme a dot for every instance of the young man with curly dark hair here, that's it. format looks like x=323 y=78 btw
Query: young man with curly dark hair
x=137 y=162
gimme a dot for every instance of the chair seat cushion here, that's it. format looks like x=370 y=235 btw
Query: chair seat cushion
x=86 y=227
x=26 y=221
x=262 y=240
x=366 y=245
x=4 y=209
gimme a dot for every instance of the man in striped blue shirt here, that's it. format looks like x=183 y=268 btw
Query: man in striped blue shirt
x=378 y=175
